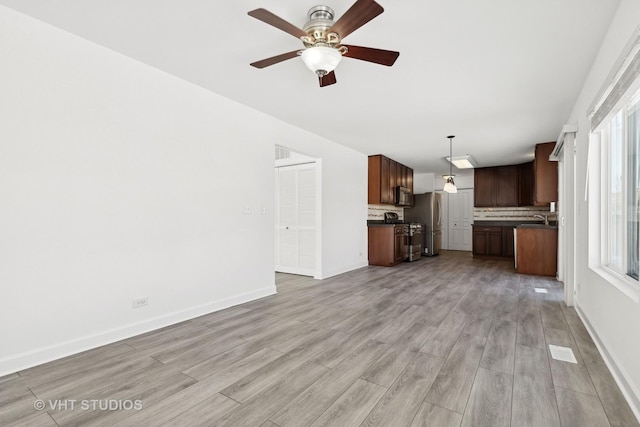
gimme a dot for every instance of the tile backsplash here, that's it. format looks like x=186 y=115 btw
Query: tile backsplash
x=376 y=212
x=525 y=213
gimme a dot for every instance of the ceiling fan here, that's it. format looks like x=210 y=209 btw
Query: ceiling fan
x=322 y=39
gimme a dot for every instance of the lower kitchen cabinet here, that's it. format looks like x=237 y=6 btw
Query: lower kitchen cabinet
x=388 y=244
x=493 y=241
x=487 y=241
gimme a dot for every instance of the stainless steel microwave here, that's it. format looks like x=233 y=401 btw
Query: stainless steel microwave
x=403 y=196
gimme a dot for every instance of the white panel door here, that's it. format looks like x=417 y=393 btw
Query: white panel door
x=296 y=219
x=455 y=224
x=467 y=220
x=460 y=220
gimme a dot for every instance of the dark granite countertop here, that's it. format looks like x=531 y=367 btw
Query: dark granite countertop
x=514 y=223
x=375 y=223
x=539 y=226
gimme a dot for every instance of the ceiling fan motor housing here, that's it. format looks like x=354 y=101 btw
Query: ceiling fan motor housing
x=320 y=20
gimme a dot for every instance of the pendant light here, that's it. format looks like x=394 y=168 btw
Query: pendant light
x=450 y=186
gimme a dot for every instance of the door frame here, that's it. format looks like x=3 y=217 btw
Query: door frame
x=318 y=205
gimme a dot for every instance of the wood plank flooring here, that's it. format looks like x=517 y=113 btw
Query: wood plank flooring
x=444 y=341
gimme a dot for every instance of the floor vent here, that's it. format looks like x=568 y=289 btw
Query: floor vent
x=542 y=290
x=565 y=354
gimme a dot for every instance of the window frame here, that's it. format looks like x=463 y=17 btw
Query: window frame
x=601 y=136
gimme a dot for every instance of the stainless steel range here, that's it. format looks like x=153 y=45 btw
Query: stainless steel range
x=416 y=231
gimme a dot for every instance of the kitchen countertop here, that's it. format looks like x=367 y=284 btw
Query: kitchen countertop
x=374 y=223
x=515 y=223
x=539 y=226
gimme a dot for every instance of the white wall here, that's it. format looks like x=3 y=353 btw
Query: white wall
x=118 y=181
x=612 y=316
x=423 y=183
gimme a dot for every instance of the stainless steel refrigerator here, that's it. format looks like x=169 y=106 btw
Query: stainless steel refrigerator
x=427 y=210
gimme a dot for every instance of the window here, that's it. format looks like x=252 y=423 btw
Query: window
x=620 y=144
x=613 y=174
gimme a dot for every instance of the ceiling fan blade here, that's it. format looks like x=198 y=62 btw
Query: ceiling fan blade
x=274 y=59
x=361 y=12
x=328 y=79
x=271 y=19
x=378 y=56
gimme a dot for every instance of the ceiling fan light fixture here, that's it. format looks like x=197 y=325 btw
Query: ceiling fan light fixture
x=321 y=59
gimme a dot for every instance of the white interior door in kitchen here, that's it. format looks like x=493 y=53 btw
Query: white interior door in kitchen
x=460 y=220
x=296 y=219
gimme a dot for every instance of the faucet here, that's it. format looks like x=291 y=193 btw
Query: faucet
x=543 y=217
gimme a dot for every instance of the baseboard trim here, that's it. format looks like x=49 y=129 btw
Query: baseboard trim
x=328 y=274
x=39 y=356
x=628 y=388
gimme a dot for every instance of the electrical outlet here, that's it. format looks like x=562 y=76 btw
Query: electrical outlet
x=140 y=302
x=246 y=210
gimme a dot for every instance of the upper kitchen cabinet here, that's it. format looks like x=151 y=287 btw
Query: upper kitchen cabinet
x=484 y=187
x=546 y=176
x=525 y=184
x=496 y=186
x=380 y=191
x=507 y=186
x=384 y=176
x=529 y=184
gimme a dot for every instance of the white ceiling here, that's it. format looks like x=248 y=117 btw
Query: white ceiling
x=502 y=75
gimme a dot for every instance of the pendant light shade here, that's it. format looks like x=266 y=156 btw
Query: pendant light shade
x=450 y=186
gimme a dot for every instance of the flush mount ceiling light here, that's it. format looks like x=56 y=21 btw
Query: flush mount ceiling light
x=450 y=186
x=463 y=162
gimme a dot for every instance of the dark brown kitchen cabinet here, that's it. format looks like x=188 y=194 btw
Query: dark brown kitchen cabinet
x=401 y=243
x=384 y=175
x=506 y=185
x=537 y=251
x=484 y=184
x=388 y=244
x=507 y=241
x=393 y=174
x=492 y=241
x=525 y=184
x=503 y=186
x=487 y=241
x=546 y=176
x=380 y=192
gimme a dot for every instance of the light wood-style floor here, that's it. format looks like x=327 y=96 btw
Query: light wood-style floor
x=445 y=341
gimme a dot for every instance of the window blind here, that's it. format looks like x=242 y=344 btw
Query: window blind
x=622 y=77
